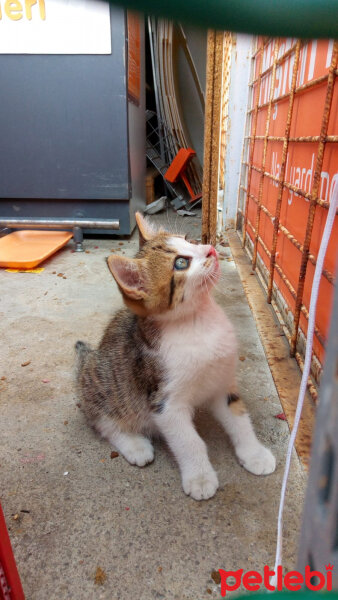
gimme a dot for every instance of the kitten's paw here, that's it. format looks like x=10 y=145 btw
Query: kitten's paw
x=258 y=460
x=139 y=451
x=202 y=486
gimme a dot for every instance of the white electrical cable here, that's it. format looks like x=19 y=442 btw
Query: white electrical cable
x=307 y=364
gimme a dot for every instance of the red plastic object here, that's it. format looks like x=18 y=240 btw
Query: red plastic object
x=10 y=584
x=178 y=168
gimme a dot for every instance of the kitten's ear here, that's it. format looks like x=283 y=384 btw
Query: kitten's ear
x=146 y=231
x=127 y=273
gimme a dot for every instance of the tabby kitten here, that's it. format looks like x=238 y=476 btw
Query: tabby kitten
x=169 y=351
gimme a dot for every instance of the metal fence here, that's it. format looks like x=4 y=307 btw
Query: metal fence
x=278 y=97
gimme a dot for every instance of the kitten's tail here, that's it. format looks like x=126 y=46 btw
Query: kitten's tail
x=82 y=351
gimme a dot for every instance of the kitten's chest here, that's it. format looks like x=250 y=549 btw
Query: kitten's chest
x=200 y=355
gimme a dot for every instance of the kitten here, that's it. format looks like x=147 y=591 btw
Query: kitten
x=169 y=351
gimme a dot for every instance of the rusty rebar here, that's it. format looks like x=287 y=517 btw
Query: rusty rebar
x=265 y=146
x=311 y=387
x=290 y=287
x=314 y=195
x=282 y=170
x=298 y=89
x=278 y=62
x=302 y=139
x=327 y=274
x=291 y=187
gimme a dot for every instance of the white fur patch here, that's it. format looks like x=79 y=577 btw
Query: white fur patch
x=252 y=455
x=203 y=272
x=136 y=449
x=200 y=354
x=185 y=248
x=198 y=349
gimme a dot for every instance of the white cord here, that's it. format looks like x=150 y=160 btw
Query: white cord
x=307 y=364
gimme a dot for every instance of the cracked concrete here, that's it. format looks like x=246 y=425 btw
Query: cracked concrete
x=85 y=510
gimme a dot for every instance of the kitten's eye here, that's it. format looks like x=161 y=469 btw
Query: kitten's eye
x=181 y=263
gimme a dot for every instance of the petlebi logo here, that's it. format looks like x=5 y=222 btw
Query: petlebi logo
x=292 y=581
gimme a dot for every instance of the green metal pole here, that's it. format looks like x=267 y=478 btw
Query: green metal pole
x=291 y=18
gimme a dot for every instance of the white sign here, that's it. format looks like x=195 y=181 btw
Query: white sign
x=54 y=27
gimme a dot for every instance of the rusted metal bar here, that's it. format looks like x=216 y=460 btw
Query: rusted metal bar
x=314 y=195
x=324 y=203
x=282 y=170
x=252 y=146
x=303 y=308
x=265 y=248
x=310 y=386
x=251 y=226
x=257 y=51
x=314 y=138
x=260 y=48
x=291 y=187
x=327 y=274
x=265 y=146
x=303 y=139
x=288 y=284
x=291 y=290
x=299 y=89
x=278 y=62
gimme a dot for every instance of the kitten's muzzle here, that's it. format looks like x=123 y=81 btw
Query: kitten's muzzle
x=212 y=252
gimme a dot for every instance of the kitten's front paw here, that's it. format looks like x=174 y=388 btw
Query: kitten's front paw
x=258 y=460
x=202 y=486
x=139 y=452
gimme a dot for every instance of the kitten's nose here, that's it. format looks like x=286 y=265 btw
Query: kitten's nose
x=212 y=252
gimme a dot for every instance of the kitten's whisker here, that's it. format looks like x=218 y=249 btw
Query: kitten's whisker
x=176 y=230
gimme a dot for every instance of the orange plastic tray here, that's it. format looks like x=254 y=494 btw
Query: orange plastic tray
x=28 y=248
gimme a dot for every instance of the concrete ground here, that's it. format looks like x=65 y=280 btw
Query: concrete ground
x=70 y=507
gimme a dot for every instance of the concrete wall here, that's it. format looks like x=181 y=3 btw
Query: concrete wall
x=238 y=99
